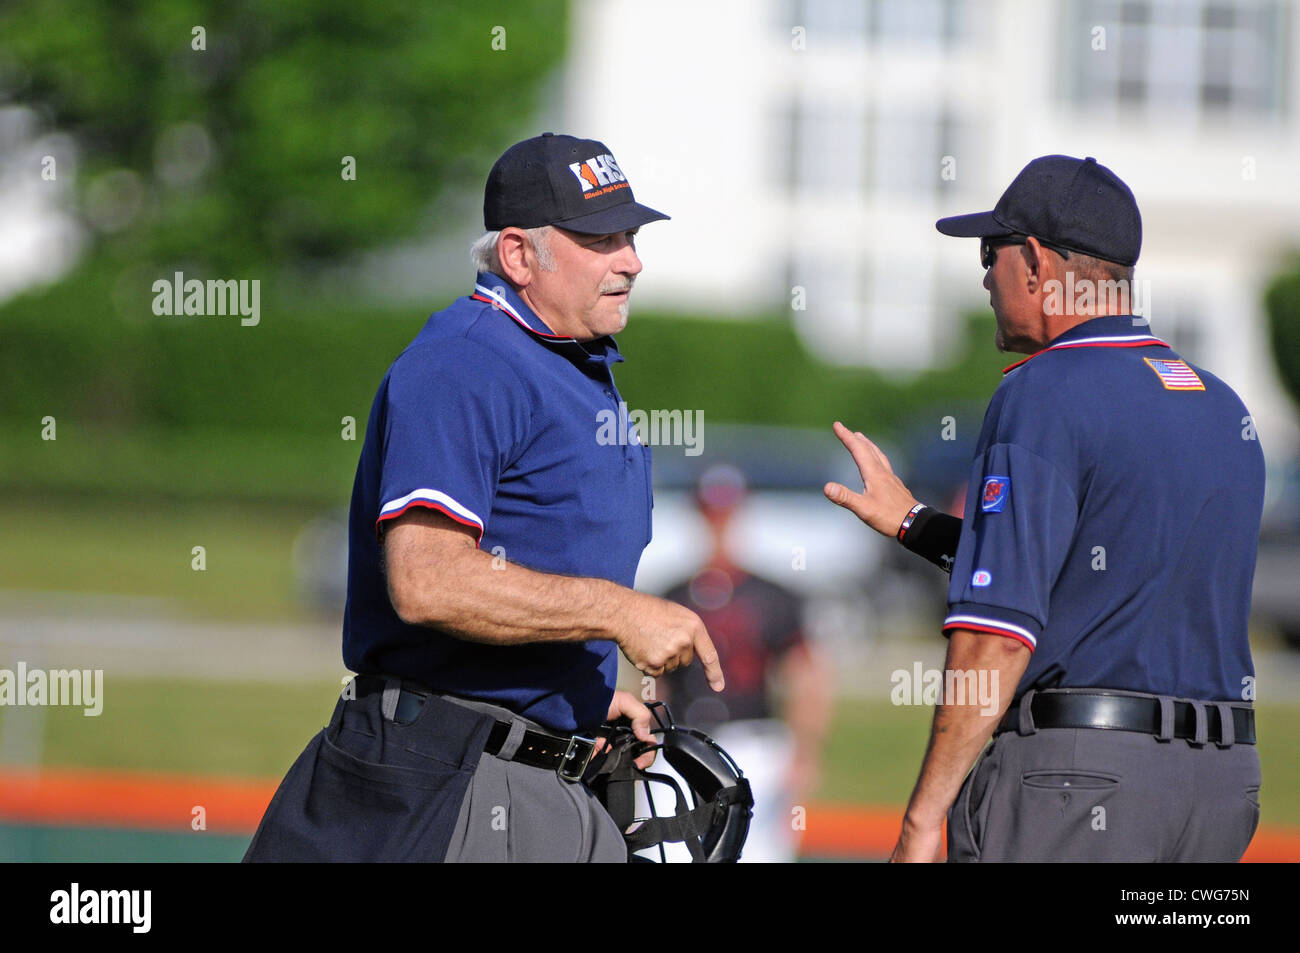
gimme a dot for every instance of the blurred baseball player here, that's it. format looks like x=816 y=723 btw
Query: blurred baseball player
x=776 y=710
x=493 y=543
x=1103 y=569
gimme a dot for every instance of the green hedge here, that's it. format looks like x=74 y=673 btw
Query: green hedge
x=203 y=406
x=79 y=351
x=1282 y=304
x=759 y=372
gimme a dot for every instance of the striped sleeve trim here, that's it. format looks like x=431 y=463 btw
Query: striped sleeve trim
x=995 y=626
x=434 y=500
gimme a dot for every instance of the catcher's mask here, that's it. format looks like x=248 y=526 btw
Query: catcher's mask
x=712 y=816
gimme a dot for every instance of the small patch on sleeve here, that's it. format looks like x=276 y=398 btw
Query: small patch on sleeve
x=997 y=490
x=1175 y=375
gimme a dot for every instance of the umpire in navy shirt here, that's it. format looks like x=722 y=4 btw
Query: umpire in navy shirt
x=1101 y=576
x=494 y=540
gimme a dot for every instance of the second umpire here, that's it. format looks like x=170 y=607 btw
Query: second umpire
x=1103 y=568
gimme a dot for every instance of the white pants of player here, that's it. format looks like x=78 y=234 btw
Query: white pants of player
x=763 y=750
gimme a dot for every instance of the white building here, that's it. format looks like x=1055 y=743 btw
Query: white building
x=813 y=143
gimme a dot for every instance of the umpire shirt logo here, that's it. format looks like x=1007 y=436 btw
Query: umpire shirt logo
x=996 y=491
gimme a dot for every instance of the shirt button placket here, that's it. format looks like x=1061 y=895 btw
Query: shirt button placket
x=628 y=455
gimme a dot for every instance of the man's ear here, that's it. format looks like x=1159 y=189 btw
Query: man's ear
x=512 y=251
x=1037 y=268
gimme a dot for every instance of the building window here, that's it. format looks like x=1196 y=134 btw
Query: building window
x=1171 y=56
x=823 y=149
x=845 y=22
x=1180 y=324
x=887 y=22
x=931 y=22
x=882 y=152
x=908 y=148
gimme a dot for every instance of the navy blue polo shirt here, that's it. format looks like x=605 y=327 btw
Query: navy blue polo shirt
x=1112 y=518
x=495 y=421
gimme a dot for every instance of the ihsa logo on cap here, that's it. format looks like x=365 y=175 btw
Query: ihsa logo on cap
x=597 y=171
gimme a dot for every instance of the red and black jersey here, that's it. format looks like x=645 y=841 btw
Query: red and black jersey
x=753 y=622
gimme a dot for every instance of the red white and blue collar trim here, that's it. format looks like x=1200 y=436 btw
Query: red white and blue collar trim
x=500 y=302
x=1106 y=340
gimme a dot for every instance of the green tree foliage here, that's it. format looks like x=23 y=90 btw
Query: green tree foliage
x=1282 y=302
x=231 y=155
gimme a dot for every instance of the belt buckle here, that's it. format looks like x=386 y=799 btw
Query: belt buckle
x=565 y=769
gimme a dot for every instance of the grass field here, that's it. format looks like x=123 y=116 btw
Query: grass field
x=137 y=548
x=239 y=729
x=247 y=730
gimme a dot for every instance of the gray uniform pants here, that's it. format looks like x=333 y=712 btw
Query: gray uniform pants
x=1091 y=794
x=367 y=788
x=520 y=814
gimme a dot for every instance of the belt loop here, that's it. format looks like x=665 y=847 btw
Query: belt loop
x=392 y=693
x=1166 y=719
x=1026 y=726
x=1202 y=723
x=513 y=740
x=1227 y=727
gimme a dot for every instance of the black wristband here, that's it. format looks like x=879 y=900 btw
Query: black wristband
x=934 y=536
x=909 y=519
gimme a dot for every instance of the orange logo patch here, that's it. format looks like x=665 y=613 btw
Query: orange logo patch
x=598 y=172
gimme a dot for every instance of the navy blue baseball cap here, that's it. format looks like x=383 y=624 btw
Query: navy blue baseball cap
x=1075 y=203
x=560 y=180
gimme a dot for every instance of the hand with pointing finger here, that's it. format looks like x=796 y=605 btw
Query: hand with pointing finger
x=659 y=636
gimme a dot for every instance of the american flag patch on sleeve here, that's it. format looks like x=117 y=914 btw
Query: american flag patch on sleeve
x=1175 y=375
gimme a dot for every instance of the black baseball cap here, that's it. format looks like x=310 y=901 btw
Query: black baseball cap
x=560 y=180
x=1075 y=203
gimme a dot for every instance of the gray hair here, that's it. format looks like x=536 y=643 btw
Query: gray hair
x=1098 y=269
x=483 y=253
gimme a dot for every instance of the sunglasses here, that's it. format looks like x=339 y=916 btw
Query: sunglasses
x=989 y=248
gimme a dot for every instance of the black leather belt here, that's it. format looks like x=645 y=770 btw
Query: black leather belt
x=1129 y=713
x=566 y=755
